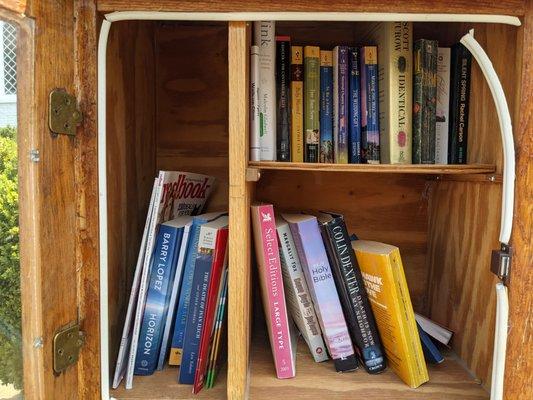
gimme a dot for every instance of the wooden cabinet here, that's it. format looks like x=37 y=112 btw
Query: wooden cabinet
x=177 y=98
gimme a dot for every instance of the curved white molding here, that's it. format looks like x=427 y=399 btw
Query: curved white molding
x=500 y=342
x=102 y=206
x=309 y=16
x=506 y=130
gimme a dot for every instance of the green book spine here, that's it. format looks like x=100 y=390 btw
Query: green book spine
x=312 y=102
x=424 y=101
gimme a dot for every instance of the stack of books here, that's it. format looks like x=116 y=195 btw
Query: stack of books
x=387 y=101
x=348 y=298
x=176 y=312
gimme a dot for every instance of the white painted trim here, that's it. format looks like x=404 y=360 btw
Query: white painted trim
x=506 y=131
x=102 y=205
x=309 y=16
x=500 y=342
x=8 y=98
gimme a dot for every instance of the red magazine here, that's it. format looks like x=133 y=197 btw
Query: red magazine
x=219 y=262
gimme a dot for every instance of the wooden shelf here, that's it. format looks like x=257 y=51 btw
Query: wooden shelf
x=432 y=169
x=448 y=380
x=164 y=385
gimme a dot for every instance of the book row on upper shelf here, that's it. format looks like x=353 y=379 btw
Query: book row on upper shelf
x=389 y=101
x=176 y=313
x=347 y=297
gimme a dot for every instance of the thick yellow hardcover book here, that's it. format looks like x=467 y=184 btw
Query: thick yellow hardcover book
x=297 y=104
x=382 y=269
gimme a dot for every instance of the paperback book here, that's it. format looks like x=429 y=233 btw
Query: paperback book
x=297 y=104
x=370 y=150
x=297 y=293
x=443 y=106
x=282 y=340
x=326 y=107
x=283 y=116
x=354 y=125
x=382 y=270
x=352 y=292
x=315 y=264
x=312 y=103
x=340 y=103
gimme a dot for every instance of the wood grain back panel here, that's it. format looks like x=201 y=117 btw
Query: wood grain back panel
x=387 y=208
x=192 y=101
x=463 y=230
x=131 y=166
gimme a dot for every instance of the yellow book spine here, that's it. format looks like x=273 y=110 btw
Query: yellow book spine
x=418 y=369
x=297 y=99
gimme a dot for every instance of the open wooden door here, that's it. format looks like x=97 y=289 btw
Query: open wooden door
x=59 y=273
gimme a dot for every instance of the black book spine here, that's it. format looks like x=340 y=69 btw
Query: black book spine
x=283 y=114
x=461 y=62
x=353 y=296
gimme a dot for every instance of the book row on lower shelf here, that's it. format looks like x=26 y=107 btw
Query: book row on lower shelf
x=176 y=314
x=389 y=101
x=347 y=297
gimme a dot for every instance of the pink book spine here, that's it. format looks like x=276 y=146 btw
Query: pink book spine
x=277 y=309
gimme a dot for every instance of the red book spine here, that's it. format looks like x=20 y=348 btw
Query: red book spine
x=219 y=259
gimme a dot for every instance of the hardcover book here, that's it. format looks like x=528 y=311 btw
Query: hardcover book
x=297 y=104
x=459 y=104
x=382 y=270
x=312 y=103
x=443 y=105
x=424 y=101
x=297 y=293
x=283 y=121
x=162 y=275
x=264 y=32
x=370 y=151
x=182 y=311
x=176 y=194
x=352 y=292
x=220 y=261
x=354 y=125
x=255 y=144
x=169 y=324
x=272 y=290
x=326 y=107
x=315 y=264
x=340 y=103
x=208 y=266
x=394 y=41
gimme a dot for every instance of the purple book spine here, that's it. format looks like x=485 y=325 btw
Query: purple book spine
x=314 y=259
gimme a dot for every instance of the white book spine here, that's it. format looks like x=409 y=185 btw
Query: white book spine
x=255 y=143
x=174 y=296
x=145 y=277
x=124 y=341
x=298 y=296
x=264 y=37
x=443 y=105
x=336 y=102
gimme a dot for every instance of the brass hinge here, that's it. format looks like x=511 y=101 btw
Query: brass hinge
x=67 y=344
x=501 y=263
x=64 y=114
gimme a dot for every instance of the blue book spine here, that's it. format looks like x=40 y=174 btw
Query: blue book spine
x=163 y=267
x=354 y=127
x=185 y=293
x=369 y=106
x=326 y=107
x=196 y=317
x=431 y=353
x=341 y=156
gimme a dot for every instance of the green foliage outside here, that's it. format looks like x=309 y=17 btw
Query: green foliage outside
x=10 y=329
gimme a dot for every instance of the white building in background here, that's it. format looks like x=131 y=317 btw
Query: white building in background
x=8 y=75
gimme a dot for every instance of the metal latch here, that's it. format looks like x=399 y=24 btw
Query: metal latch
x=501 y=263
x=67 y=344
x=64 y=115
